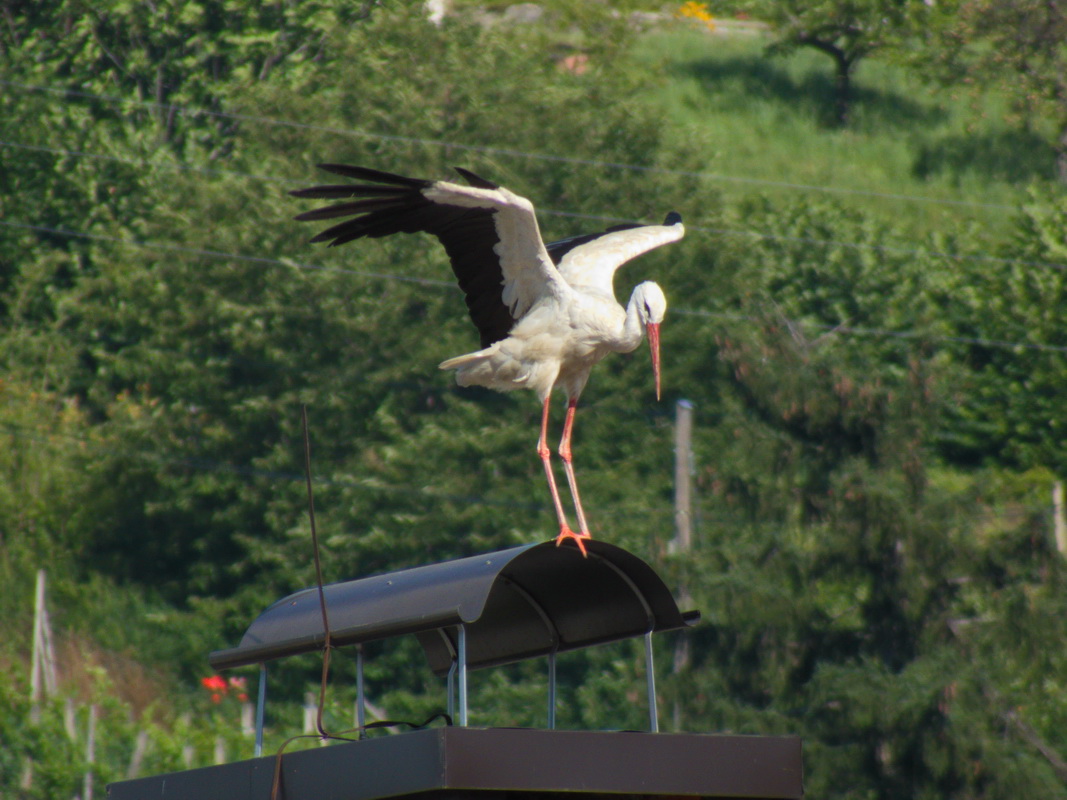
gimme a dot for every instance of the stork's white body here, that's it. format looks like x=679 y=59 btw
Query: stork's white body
x=555 y=345
x=546 y=314
x=567 y=316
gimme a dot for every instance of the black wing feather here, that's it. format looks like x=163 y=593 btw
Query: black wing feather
x=399 y=206
x=373 y=175
x=348 y=209
x=556 y=250
x=338 y=191
x=475 y=180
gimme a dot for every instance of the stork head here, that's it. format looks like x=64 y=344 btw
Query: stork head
x=651 y=308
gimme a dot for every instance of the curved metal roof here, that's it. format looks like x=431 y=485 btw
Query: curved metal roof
x=515 y=604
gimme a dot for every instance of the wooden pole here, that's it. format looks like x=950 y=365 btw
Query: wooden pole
x=43 y=656
x=26 y=781
x=310 y=710
x=90 y=755
x=248 y=726
x=68 y=718
x=188 y=752
x=682 y=542
x=36 y=659
x=1059 y=517
x=139 y=750
x=683 y=478
x=48 y=652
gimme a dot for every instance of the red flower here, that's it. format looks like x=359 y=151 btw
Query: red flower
x=215 y=683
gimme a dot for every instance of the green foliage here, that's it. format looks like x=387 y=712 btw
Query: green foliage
x=1007 y=410
x=872 y=561
x=847 y=32
x=933 y=162
x=1016 y=46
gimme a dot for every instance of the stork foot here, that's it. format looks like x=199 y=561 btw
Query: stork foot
x=566 y=533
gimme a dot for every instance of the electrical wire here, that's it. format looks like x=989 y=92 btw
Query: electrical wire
x=40 y=436
x=206 y=253
x=839 y=328
x=500 y=151
x=610 y=220
x=882 y=332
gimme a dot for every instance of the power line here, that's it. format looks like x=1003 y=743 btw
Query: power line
x=41 y=436
x=38 y=436
x=840 y=328
x=139 y=162
x=886 y=333
x=198 y=251
x=504 y=151
x=886 y=249
x=214 y=465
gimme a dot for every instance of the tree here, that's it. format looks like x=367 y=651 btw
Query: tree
x=194 y=365
x=845 y=30
x=848 y=580
x=1015 y=47
x=1007 y=409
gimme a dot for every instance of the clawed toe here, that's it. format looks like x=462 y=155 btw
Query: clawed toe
x=566 y=533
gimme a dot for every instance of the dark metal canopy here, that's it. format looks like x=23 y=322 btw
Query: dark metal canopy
x=514 y=604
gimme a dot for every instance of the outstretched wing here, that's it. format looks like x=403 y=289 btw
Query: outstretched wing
x=490 y=235
x=591 y=260
x=558 y=249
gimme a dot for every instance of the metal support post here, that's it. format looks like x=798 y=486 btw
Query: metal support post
x=452 y=691
x=552 y=690
x=361 y=700
x=650 y=671
x=461 y=656
x=261 y=702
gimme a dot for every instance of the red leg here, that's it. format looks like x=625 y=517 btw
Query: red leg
x=565 y=454
x=565 y=531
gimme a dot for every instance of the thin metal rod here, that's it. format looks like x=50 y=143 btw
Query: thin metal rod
x=650 y=672
x=462 y=658
x=452 y=691
x=326 y=644
x=361 y=700
x=261 y=702
x=552 y=690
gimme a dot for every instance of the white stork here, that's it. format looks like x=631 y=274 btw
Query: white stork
x=546 y=313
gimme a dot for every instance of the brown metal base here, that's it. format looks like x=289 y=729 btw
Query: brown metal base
x=483 y=763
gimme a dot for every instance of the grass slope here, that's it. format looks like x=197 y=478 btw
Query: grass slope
x=921 y=156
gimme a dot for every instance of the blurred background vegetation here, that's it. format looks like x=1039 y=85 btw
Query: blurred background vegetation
x=865 y=313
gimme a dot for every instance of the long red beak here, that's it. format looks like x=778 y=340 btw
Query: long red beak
x=653 y=343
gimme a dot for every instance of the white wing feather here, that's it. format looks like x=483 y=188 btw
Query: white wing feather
x=593 y=264
x=528 y=271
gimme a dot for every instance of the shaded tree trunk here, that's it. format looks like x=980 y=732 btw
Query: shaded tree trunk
x=844 y=61
x=842 y=89
x=1061 y=155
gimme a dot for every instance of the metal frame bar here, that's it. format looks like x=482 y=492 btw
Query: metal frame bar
x=261 y=702
x=361 y=700
x=555 y=637
x=650 y=675
x=452 y=691
x=552 y=690
x=650 y=668
x=461 y=657
x=455 y=640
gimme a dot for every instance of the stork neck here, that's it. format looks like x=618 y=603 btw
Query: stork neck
x=633 y=329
